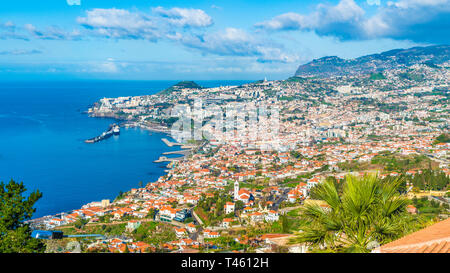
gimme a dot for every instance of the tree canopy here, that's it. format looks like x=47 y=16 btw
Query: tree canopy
x=15 y=209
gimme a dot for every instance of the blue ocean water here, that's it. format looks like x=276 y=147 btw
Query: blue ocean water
x=42 y=133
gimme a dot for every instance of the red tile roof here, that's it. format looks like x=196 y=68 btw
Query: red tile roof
x=433 y=239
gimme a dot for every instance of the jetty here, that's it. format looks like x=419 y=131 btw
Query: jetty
x=182 y=152
x=154 y=127
x=183 y=146
x=167 y=159
x=113 y=129
x=171 y=144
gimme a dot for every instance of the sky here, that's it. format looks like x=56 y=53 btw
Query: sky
x=204 y=39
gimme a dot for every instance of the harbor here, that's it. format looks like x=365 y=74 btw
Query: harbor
x=187 y=150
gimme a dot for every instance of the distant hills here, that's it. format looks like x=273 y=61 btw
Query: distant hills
x=181 y=85
x=392 y=59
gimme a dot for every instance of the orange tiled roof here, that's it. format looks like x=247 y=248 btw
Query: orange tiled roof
x=433 y=239
x=271 y=236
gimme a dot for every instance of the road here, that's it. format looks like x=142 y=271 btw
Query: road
x=283 y=196
x=106 y=224
x=175 y=223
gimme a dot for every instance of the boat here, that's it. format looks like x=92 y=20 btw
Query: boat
x=116 y=130
x=113 y=129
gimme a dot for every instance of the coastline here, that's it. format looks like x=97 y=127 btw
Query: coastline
x=158 y=128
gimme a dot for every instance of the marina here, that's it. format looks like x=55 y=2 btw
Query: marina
x=186 y=152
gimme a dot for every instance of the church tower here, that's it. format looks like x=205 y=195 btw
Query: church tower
x=236 y=190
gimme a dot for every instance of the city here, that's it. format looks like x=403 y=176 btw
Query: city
x=229 y=194
x=225 y=135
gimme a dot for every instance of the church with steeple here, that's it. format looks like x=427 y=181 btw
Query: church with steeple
x=236 y=190
x=241 y=194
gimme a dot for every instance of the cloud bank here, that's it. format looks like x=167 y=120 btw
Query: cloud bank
x=20 y=52
x=187 y=27
x=237 y=42
x=415 y=20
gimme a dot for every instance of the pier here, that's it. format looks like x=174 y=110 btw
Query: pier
x=170 y=144
x=182 y=152
x=185 y=153
x=166 y=159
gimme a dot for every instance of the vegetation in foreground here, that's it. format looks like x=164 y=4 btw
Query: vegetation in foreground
x=15 y=236
x=368 y=213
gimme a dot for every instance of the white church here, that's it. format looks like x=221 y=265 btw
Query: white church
x=241 y=195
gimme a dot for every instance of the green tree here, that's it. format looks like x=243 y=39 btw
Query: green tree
x=443 y=138
x=239 y=205
x=15 y=209
x=80 y=223
x=286 y=224
x=120 y=196
x=368 y=212
x=151 y=213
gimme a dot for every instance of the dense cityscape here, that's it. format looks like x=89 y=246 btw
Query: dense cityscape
x=238 y=191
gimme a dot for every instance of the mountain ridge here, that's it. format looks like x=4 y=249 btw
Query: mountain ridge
x=391 y=59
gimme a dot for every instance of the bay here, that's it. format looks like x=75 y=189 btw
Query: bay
x=42 y=131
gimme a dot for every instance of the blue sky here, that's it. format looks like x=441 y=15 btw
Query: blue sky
x=204 y=40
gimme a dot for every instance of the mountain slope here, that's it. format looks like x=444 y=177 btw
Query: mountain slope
x=397 y=58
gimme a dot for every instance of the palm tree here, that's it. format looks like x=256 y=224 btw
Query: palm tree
x=368 y=212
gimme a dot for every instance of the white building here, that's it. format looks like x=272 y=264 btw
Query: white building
x=229 y=207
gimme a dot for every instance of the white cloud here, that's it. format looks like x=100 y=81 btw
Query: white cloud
x=73 y=2
x=237 y=42
x=176 y=25
x=9 y=31
x=20 y=52
x=120 y=23
x=108 y=66
x=9 y=25
x=416 y=20
x=124 y=24
x=373 y=2
x=423 y=21
x=339 y=20
x=184 y=17
x=52 y=33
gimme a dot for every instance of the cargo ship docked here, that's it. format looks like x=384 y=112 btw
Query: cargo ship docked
x=113 y=129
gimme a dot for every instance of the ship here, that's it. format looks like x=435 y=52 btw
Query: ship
x=116 y=130
x=113 y=129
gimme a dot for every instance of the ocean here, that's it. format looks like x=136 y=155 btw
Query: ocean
x=42 y=131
